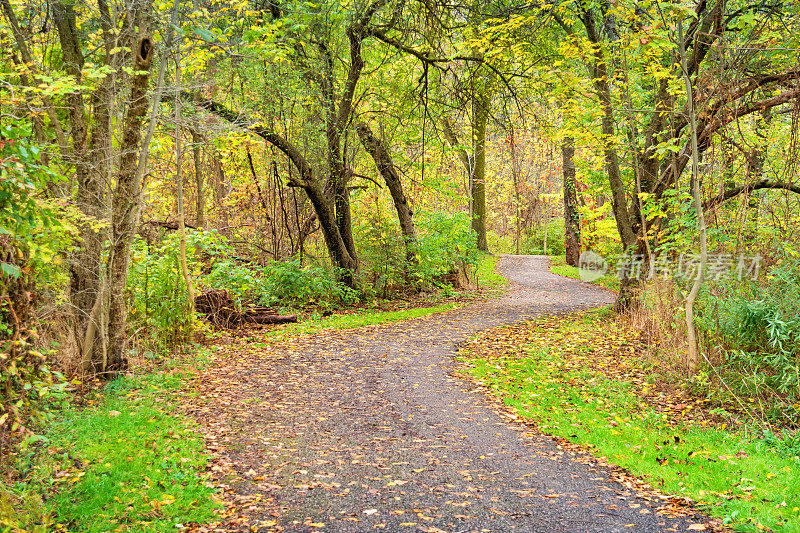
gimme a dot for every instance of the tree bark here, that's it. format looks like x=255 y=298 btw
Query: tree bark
x=377 y=149
x=84 y=268
x=127 y=202
x=572 y=227
x=480 y=118
x=200 y=200
x=693 y=351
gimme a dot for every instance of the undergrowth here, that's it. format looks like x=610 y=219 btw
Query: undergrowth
x=126 y=461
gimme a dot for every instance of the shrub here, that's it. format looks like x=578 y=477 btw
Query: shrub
x=758 y=327
x=535 y=238
x=290 y=284
x=445 y=242
x=156 y=288
x=383 y=255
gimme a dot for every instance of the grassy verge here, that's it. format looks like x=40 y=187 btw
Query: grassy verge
x=124 y=462
x=558 y=265
x=486 y=275
x=579 y=378
x=360 y=318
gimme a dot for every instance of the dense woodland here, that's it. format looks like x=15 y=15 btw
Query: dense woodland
x=303 y=157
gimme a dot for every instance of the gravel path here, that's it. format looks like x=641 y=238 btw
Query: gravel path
x=366 y=430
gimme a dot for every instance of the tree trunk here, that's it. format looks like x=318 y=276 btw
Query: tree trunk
x=127 y=201
x=187 y=277
x=377 y=149
x=480 y=118
x=200 y=202
x=619 y=198
x=693 y=352
x=84 y=269
x=572 y=222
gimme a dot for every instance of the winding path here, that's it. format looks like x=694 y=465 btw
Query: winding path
x=366 y=430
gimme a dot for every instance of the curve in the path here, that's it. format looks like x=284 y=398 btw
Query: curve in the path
x=366 y=430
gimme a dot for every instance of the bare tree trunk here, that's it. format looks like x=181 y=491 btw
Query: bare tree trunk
x=572 y=226
x=200 y=201
x=693 y=353
x=377 y=149
x=127 y=202
x=480 y=118
x=187 y=277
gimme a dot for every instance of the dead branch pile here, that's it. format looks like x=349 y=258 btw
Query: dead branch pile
x=219 y=308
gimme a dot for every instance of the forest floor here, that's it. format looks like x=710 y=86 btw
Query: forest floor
x=369 y=429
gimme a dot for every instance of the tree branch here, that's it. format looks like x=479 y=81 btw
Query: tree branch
x=243 y=121
x=747 y=189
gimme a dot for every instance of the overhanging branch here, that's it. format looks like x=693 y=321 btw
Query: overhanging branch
x=243 y=121
x=747 y=189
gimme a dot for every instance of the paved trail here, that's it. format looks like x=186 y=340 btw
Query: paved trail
x=365 y=430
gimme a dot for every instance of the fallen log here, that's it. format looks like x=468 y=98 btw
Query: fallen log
x=221 y=311
x=271 y=319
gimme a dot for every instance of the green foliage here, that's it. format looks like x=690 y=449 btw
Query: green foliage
x=279 y=284
x=534 y=242
x=446 y=241
x=759 y=326
x=382 y=252
x=675 y=216
x=37 y=230
x=128 y=460
x=159 y=297
x=787 y=444
x=158 y=294
x=31 y=236
x=28 y=388
x=445 y=244
x=288 y=283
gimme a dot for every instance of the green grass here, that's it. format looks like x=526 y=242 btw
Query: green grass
x=486 y=275
x=127 y=462
x=558 y=265
x=737 y=477
x=361 y=318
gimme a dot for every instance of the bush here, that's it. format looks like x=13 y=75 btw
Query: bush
x=159 y=297
x=383 y=255
x=32 y=236
x=535 y=239
x=758 y=326
x=445 y=242
x=290 y=284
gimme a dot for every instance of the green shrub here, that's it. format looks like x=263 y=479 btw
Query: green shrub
x=758 y=325
x=382 y=253
x=445 y=242
x=535 y=239
x=287 y=283
x=33 y=235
